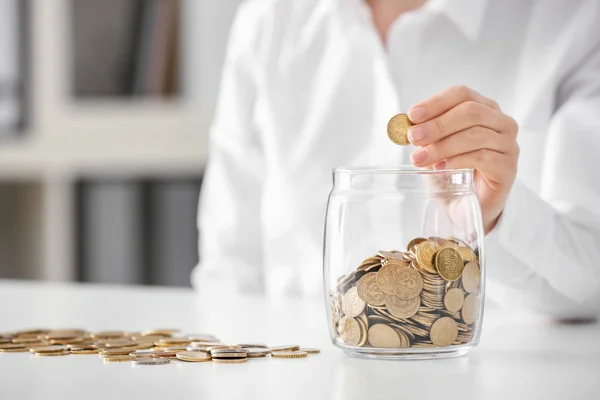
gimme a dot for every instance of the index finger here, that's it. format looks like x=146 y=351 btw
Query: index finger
x=445 y=101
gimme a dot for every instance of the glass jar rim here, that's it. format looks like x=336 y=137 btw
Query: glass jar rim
x=399 y=170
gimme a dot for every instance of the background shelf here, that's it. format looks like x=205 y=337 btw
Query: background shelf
x=80 y=144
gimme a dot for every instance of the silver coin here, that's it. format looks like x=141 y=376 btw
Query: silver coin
x=198 y=349
x=151 y=361
x=253 y=346
x=257 y=352
x=139 y=353
x=229 y=353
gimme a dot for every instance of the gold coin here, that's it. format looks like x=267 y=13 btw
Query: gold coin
x=142 y=346
x=145 y=338
x=230 y=360
x=65 y=333
x=309 y=350
x=114 y=352
x=37 y=344
x=202 y=337
x=401 y=328
x=31 y=332
x=83 y=350
x=409 y=283
x=67 y=340
x=107 y=335
x=13 y=348
x=388 y=275
x=452 y=285
x=443 y=242
x=402 y=308
x=467 y=254
x=118 y=358
x=471 y=277
x=120 y=343
x=350 y=332
x=413 y=243
x=453 y=301
x=193 y=356
x=59 y=353
x=363 y=317
x=425 y=253
x=49 y=349
x=25 y=340
x=287 y=347
x=383 y=336
x=172 y=341
x=398 y=129
x=160 y=332
x=443 y=332
x=289 y=354
x=363 y=331
x=470 y=309
x=352 y=304
x=368 y=290
x=391 y=255
x=34 y=347
x=404 y=340
x=449 y=264
x=422 y=345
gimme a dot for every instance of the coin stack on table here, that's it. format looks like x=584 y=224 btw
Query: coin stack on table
x=152 y=347
x=427 y=296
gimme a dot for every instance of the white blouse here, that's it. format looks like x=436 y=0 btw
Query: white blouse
x=308 y=86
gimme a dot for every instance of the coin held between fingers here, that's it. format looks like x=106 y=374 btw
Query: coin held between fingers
x=397 y=129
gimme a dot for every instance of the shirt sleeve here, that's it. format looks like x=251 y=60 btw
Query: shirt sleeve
x=545 y=249
x=229 y=218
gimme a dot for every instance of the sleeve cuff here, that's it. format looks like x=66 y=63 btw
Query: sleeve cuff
x=525 y=245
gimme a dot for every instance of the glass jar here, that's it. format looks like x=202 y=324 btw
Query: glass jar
x=404 y=270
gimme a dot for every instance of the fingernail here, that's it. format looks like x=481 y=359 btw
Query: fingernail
x=419 y=156
x=440 y=165
x=416 y=114
x=416 y=133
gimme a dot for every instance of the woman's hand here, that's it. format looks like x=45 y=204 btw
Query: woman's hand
x=459 y=128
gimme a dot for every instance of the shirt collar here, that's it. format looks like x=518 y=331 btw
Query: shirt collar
x=467 y=15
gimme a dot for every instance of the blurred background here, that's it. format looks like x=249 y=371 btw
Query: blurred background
x=104 y=113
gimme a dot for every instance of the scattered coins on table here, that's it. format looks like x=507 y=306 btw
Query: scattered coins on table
x=426 y=296
x=151 y=347
x=398 y=129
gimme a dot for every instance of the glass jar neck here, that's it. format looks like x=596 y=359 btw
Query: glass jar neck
x=407 y=179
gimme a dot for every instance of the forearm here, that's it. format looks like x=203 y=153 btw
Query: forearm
x=542 y=257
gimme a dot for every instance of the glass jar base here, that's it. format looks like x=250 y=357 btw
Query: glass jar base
x=407 y=354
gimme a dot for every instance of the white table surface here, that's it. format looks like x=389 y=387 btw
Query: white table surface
x=520 y=356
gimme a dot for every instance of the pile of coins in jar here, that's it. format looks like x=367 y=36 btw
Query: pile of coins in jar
x=428 y=296
x=152 y=347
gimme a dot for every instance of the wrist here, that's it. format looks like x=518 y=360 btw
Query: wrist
x=489 y=227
